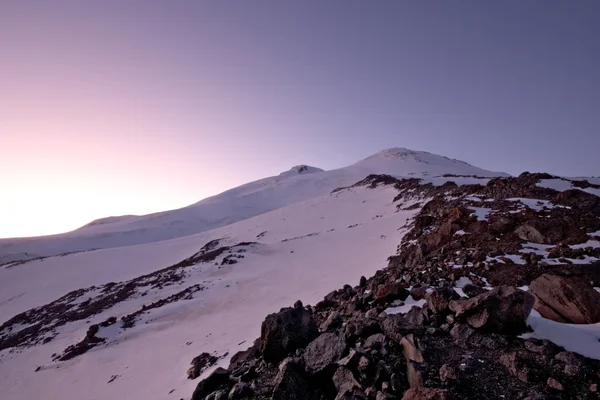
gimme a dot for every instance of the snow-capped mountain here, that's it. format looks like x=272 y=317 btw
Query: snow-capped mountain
x=139 y=297
x=298 y=184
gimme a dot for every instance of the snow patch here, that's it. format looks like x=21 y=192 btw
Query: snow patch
x=534 y=204
x=581 y=339
x=408 y=304
x=482 y=213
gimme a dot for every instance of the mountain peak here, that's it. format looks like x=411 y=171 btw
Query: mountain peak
x=400 y=161
x=300 y=169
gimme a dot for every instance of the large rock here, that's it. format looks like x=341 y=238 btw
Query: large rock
x=391 y=291
x=218 y=379
x=579 y=199
x=416 y=315
x=290 y=382
x=439 y=299
x=199 y=364
x=530 y=234
x=564 y=299
x=344 y=380
x=241 y=357
x=396 y=327
x=472 y=290
x=503 y=309
x=286 y=331
x=324 y=351
x=333 y=321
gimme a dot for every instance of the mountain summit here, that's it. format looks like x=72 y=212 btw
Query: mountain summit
x=399 y=161
x=300 y=169
x=300 y=183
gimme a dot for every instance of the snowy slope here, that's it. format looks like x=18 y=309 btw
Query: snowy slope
x=302 y=251
x=255 y=198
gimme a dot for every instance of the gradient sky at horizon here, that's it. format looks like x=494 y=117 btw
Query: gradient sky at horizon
x=130 y=107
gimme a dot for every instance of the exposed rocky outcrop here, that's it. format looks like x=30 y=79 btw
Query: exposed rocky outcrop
x=286 y=331
x=451 y=347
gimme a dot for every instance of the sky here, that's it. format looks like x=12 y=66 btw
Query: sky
x=137 y=106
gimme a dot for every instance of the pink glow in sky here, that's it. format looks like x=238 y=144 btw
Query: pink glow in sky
x=130 y=107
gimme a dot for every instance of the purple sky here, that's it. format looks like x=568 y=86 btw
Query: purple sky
x=132 y=106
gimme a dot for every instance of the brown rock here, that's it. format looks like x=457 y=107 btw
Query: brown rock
x=396 y=327
x=416 y=315
x=391 y=291
x=418 y=293
x=439 y=299
x=554 y=384
x=572 y=361
x=413 y=357
x=503 y=309
x=512 y=361
x=565 y=299
x=285 y=331
x=447 y=373
x=425 y=394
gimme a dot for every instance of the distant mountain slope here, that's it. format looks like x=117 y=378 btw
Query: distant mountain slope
x=255 y=198
x=295 y=252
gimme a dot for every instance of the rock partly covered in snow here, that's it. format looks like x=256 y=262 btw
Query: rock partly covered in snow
x=452 y=347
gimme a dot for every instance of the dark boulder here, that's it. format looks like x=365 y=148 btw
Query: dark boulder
x=242 y=357
x=391 y=291
x=579 y=199
x=359 y=327
x=324 y=351
x=472 y=290
x=291 y=382
x=199 y=364
x=375 y=342
x=418 y=293
x=240 y=390
x=333 y=321
x=503 y=309
x=439 y=299
x=284 y=332
x=396 y=327
x=344 y=380
x=218 y=379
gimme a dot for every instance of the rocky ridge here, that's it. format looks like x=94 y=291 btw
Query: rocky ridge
x=475 y=263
